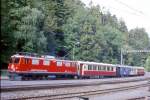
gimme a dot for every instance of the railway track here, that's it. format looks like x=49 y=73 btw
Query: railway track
x=65 y=85
x=141 y=98
x=83 y=94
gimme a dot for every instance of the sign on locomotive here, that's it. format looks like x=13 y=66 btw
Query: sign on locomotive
x=25 y=66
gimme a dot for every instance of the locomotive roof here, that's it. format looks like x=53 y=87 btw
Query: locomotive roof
x=31 y=57
x=127 y=66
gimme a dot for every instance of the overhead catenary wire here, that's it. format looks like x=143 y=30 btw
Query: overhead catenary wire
x=131 y=8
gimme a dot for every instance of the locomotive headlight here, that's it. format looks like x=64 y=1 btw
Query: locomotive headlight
x=13 y=67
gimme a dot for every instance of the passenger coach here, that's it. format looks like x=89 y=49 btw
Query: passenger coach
x=124 y=70
x=96 y=70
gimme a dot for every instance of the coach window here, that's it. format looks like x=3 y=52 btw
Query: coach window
x=59 y=63
x=35 y=61
x=94 y=67
x=111 y=68
x=85 y=66
x=89 y=67
x=108 y=68
x=99 y=68
x=46 y=62
x=104 y=68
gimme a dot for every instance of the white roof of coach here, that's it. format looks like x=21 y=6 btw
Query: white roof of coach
x=135 y=67
x=95 y=63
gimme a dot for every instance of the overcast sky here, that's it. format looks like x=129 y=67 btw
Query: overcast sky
x=135 y=13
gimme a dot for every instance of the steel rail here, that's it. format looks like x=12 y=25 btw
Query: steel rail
x=140 y=98
x=65 y=85
x=83 y=94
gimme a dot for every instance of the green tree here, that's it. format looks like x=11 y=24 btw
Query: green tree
x=7 y=38
x=20 y=23
x=138 y=40
x=29 y=32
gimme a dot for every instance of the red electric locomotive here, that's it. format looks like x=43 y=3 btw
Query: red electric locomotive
x=28 y=66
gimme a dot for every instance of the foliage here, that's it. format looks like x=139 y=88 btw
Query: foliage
x=68 y=28
x=138 y=39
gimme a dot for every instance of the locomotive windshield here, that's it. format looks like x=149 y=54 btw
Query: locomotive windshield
x=16 y=60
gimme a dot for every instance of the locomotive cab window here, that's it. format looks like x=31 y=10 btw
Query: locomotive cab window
x=16 y=60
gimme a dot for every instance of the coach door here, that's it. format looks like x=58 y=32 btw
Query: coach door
x=80 y=69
